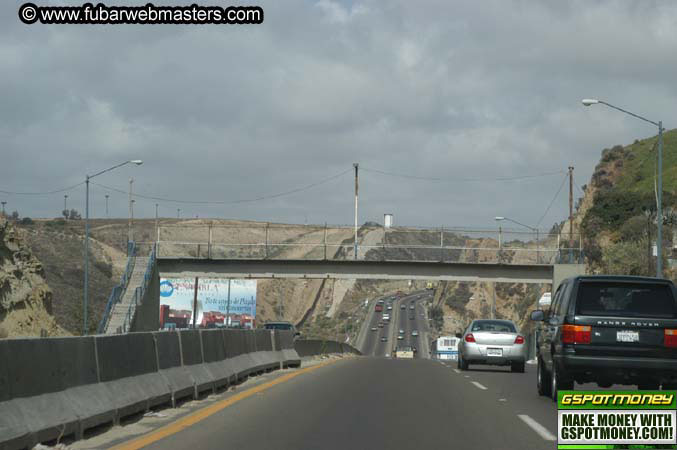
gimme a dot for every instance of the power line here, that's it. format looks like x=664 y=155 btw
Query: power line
x=552 y=201
x=69 y=188
x=462 y=180
x=227 y=202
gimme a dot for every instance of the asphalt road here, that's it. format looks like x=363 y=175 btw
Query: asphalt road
x=368 y=403
x=400 y=320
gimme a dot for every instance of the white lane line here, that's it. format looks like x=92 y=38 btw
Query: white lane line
x=484 y=388
x=537 y=427
x=457 y=370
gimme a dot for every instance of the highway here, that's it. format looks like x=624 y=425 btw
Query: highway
x=400 y=320
x=367 y=403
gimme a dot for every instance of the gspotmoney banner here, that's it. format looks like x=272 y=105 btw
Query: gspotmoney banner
x=616 y=419
x=233 y=297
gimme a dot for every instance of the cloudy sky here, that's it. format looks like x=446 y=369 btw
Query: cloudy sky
x=452 y=95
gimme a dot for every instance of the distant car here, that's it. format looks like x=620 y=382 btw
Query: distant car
x=492 y=342
x=403 y=306
x=390 y=307
x=386 y=317
x=282 y=326
x=414 y=333
x=411 y=317
x=401 y=331
x=374 y=328
x=384 y=338
x=412 y=307
x=380 y=324
x=400 y=337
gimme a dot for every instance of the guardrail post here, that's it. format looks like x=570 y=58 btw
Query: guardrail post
x=209 y=244
x=266 y=244
x=325 y=241
x=442 y=244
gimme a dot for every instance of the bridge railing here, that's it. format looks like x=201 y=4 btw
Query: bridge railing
x=138 y=293
x=119 y=290
x=373 y=243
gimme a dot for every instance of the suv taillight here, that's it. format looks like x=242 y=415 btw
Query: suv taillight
x=670 y=338
x=576 y=334
x=519 y=340
x=469 y=337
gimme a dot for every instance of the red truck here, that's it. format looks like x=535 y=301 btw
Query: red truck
x=378 y=307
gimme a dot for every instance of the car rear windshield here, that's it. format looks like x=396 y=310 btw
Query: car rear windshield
x=278 y=326
x=625 y=299
x=494 y=325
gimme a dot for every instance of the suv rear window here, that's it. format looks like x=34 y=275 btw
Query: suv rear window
x=493 y=325
x=625 y=299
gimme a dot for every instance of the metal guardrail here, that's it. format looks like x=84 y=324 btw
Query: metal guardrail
x=139 y=292
x=119 y=290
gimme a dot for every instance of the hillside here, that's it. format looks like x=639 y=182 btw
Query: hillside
x=25 y=297
x=617 y=216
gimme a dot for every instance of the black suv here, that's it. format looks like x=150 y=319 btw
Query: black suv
x=608 y=330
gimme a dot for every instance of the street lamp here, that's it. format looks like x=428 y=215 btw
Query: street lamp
x=538 y=244
x=138 y=162
x=659 y=200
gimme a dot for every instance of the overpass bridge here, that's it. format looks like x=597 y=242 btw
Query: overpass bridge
x=260 y=251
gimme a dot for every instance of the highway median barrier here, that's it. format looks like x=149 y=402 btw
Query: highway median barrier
x=58 y=388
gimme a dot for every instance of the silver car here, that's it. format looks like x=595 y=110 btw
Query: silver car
x=492 y=342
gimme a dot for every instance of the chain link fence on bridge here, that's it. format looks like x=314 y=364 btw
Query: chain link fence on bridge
x=374 y=243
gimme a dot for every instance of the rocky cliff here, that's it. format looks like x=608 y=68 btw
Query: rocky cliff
x=25 y=297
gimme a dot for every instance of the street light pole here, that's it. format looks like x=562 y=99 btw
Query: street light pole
x=659 y=194
x=85 y=302
x=106 y=206
x=65 y=202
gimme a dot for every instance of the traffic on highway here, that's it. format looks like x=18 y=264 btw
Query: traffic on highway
x=398 y=321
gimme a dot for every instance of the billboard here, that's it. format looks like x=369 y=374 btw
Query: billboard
x=217 y=299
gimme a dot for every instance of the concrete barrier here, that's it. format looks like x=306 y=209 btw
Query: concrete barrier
x=127 y=368
x=191 y=354
x=60 y=387
x=214 y=352
x=177 y=376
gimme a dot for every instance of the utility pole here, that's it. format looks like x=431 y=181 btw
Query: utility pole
x=356 y=166
x=178 y=213
x=130 y=237
x=3 y=208
x=571 y=213
x=107 y=206
x=132 y=209
x=156 y=218
x=65 y=202
x=228 y=321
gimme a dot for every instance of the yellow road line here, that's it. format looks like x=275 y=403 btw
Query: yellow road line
x=203 y=413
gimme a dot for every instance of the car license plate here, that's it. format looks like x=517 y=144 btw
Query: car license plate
x=627 y=336
x=494 y=352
